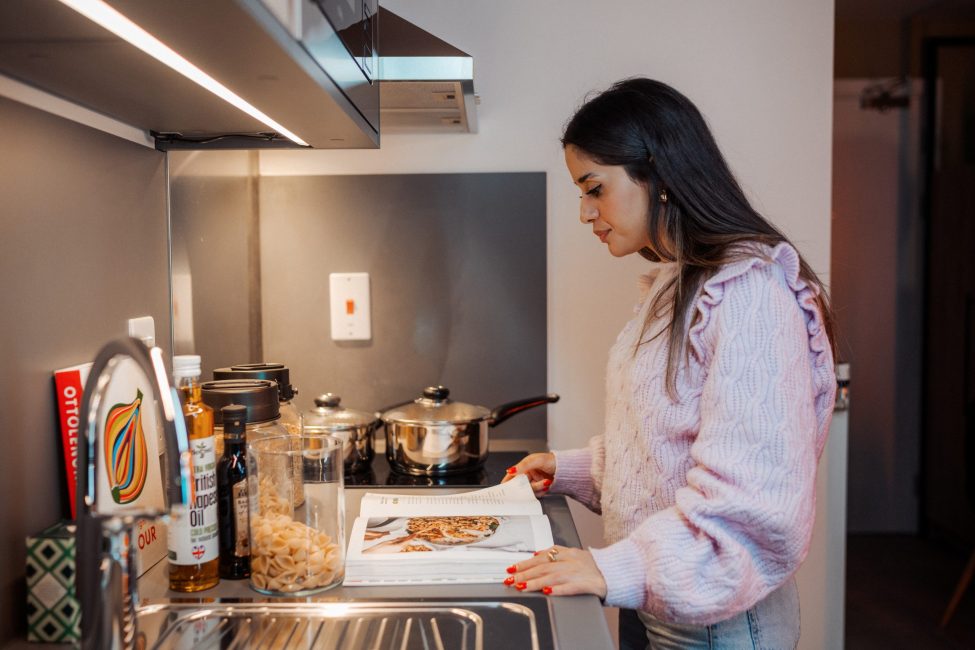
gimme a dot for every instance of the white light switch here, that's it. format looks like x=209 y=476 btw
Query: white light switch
x=349 y=298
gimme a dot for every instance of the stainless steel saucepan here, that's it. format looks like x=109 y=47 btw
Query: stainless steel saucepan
x=434 y=435
x=354 y=428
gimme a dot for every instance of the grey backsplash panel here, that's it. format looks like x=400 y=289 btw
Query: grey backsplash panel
x=457 y=278
x=82 y=249
x=211 y=238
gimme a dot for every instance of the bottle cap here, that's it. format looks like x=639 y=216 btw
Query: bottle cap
x=187 y=365
x=234 y=420
x=843 y=372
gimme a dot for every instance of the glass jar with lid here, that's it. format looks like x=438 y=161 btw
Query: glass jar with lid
x=276 y=372
x=355 y=429
x=260 y=397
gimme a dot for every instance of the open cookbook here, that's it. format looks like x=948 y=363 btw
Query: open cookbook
x=459 y=538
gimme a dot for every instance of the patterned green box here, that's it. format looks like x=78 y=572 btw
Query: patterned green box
x=53 y=612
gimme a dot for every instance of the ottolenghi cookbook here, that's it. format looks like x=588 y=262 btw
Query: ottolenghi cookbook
x=129 y=469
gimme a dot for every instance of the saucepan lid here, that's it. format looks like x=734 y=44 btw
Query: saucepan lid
x=436 y=407
x=330 y=414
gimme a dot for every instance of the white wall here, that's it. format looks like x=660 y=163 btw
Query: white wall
x=760 y=70
x=876 y=245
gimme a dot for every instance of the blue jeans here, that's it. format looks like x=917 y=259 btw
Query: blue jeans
x=772 y=624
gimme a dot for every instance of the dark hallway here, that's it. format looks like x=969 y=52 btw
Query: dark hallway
x=897 y=588
x=902 y=289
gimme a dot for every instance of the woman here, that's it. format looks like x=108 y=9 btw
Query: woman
x=719 y=392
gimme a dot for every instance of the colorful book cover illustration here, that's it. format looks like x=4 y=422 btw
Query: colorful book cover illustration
x=129 y=473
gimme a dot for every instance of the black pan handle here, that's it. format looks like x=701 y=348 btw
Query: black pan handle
x=505 y=411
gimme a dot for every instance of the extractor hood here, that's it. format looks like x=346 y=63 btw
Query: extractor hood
x=426 y=84
x=286 y=58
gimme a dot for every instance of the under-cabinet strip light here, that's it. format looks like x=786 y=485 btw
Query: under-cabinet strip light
x=109 y=18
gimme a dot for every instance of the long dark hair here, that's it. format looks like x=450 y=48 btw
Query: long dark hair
x=664 y=143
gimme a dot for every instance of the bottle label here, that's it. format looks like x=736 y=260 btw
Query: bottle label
x=194 y=536
x=241 y=505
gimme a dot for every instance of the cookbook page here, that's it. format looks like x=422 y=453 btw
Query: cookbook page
x=429 y=539
x=403 y=540
x=512 y=498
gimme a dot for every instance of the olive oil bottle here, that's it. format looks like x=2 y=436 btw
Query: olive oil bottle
x=193 y=538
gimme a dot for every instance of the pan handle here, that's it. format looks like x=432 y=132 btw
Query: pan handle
x=505 y=411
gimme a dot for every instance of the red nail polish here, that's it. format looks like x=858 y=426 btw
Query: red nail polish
x=512 y=569
x=521 y=586
x=547 y=591
x=509 y=581
x=547 y=482
x=512 y=470
x=545 y=488
x=535 y=553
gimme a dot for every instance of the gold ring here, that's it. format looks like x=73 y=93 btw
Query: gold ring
x=553 y=555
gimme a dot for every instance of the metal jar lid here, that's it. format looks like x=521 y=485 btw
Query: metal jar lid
x=260 y=396
x=330 y=414
x=435 y=407
x=276 y=372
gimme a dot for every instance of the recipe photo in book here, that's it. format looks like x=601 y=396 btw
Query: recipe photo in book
x=470 y=537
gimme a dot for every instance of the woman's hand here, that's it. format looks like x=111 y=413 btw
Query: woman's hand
x=539 y=468
x=572 y=571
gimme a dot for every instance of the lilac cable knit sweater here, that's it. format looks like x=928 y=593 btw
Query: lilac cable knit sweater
x=708 y=502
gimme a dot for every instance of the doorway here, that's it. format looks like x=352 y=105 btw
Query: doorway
x=948 y=208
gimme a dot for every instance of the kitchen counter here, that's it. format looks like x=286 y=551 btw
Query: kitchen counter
x=578 y=621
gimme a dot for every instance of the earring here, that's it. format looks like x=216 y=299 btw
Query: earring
x=663 y=196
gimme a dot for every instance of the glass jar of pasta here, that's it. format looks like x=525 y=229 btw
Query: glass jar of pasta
x=296 y=550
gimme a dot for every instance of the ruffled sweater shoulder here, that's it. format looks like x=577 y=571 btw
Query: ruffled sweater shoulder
x=708 y=501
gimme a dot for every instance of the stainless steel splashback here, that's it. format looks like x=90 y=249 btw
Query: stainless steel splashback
x=457 y=266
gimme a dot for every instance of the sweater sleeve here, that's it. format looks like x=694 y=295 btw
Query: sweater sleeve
x=742 y=524
x=579 y=473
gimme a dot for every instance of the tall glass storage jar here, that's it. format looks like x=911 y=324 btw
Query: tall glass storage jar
x=296 y=550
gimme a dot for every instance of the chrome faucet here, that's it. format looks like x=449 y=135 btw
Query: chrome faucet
x=106 y=571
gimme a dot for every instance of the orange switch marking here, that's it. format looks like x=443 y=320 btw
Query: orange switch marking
x=350 y=307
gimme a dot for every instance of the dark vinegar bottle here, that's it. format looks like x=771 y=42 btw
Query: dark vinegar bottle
x=232 y=505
